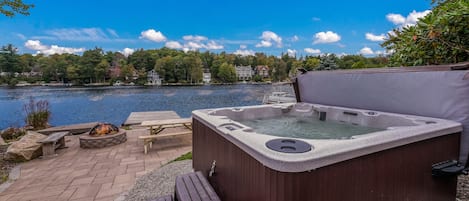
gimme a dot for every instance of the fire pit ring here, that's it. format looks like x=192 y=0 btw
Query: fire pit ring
x=103 y=135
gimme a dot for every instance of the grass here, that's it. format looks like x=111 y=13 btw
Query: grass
x=186 y=156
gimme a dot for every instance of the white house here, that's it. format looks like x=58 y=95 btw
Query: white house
x=206 y=77
x=153 y=78
x=244 y=72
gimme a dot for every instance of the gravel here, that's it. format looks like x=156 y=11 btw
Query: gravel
x=158 y=182
x=463 y=188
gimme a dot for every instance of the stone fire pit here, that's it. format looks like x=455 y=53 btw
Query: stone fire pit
x=103 y=135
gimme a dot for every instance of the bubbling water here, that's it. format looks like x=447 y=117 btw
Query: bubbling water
x=306 y=127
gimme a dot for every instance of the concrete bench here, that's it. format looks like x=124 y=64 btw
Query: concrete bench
x=148 y=139
x=194 y=186
x=52 y=142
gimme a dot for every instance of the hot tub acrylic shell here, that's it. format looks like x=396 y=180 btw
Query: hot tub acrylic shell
x=394 y=164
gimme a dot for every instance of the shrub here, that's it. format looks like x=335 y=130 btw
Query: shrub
x=12 y=134
x=37 y=113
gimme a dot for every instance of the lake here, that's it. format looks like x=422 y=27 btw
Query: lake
x=71 y=105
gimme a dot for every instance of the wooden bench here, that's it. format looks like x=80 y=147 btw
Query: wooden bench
x=194 y=186
x=52 y=142
x=148 y=139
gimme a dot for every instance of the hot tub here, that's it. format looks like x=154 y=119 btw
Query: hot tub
x=353 y=155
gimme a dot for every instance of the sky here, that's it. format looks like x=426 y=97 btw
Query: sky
x=243 y=27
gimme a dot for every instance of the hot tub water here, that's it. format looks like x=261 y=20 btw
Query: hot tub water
x=306 y=128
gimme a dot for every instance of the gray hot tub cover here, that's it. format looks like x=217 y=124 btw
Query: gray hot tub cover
x=439 y=94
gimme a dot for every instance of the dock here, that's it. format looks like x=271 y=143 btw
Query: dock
x=136 y=118
x=73 y=129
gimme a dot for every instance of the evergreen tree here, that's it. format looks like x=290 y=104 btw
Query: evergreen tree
x=328 y=62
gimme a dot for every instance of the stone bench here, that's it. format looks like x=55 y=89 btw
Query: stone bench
x=148 y=139
x=194 y=186
x=52 y=142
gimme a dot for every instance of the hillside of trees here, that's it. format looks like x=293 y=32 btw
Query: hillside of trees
x=174 y=66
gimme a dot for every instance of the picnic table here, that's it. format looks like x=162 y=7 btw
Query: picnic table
x=157 y=126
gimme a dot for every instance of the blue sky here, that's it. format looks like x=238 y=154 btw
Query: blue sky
x=242 y=26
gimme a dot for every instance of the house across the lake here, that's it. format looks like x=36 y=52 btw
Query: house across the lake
x=244 y=72
x=153 y=78
x=206 y=77
x=262 y=71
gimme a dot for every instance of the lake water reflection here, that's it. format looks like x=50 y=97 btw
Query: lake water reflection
x=114 y=104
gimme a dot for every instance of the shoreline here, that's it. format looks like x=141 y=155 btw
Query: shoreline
x=130 y=86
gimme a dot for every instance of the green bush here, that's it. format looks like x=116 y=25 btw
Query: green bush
x=12 y=134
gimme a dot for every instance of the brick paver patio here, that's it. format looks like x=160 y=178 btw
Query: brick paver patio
x=93 y=174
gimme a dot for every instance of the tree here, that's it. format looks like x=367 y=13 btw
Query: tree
x=88 y=62
x=142 y=60
x=440 y=37
x=101 y=70
x=72 y=72
x=311 y=63
x=279 y=71
x=26 y=62
x=9 y=60
x=193 y=67
x=11 y=7
x=164 y=68
x=328 y=62
x=227 y=73
x=127 y=71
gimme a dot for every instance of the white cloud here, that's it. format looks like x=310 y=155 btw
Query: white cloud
x=244 y=52
x=153 y=35
x=35 y=45
x=268 y=37
x=395 y=18
x=316 y=19
x=376 y=38
x=193 y=45
x=366 y=51
x=212 y=45
x=127 y=51
x=82 y=34
x=113 y=33
x=173 y=45
x=78 y=34
x=295 y=38
x=414 y=16
x=243 y=46
x=326 y=37
x=264 y=44
x=312 y=51
x=48 y=50
x=21 y=36
x=410 y=20
x=195 y=38
x=291 y=53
